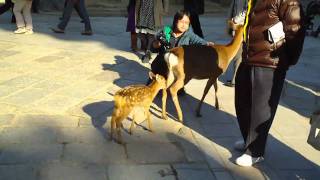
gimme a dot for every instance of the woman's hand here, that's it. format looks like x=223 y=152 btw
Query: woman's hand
x=210 y=43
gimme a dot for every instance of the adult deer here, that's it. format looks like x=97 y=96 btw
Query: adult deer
x=199 y=62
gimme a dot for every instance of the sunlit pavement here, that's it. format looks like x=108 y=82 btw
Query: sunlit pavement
x=56 y=101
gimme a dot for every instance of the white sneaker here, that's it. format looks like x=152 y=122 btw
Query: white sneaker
x=246 y=160
x=29 y=31
x=240 y=145
x=20 y=30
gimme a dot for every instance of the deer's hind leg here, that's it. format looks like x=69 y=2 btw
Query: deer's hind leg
x=174 y=90
x=215 y=85
x=118 y=120
x=210 y=82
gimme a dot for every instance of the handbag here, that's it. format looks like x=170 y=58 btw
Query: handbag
x=314 y=134
x=276 y=33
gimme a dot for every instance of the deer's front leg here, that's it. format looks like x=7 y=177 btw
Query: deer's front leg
x=164 y=104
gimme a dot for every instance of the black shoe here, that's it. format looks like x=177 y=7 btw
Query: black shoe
x=57 y=30
x=147 y=57
x=181 y=92
x=87 y=33
x=229 y=83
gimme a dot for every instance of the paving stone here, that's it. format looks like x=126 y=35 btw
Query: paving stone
x=46 y=120
x=193 y=171
x=25 y=97
x=6 y=90
x=67 y=171
x=29 y=135
x=223 y=175
x=21 y=81
x=30 y=153
x=6 y=119
x=214 y=131
x=146 y=153
x=56 y=104
x=299 y=174
x=49 y=85
x=7 y=108
x=6 y=53
x=140 y=172
x=108 y=153
x=106 y=76
x=17 y=172
x=283 y=157
x=48 y=59
x=88 y=135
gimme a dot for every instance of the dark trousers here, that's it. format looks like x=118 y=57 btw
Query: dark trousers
x=195 y=23
x=257 y=94
x=75 y=7
x=35 y=6
x=67 y=11
x=7 y=6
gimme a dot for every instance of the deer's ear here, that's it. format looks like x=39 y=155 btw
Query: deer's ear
x=157 y=77
x=151 y=75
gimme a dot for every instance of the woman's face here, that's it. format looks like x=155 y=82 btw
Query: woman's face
x=183 y=24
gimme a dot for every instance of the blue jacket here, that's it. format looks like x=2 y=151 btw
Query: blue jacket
x=187 y=38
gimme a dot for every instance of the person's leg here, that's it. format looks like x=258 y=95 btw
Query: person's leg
x=67 y=11
x=83 y=13
x=195 y=23
x=80 y=14
x=18 y=6
x=266 y=89
x=149 y=39
x=35 y=6
x=27 y=16
x=134 y=46
x=7 y=5
x=243 y=99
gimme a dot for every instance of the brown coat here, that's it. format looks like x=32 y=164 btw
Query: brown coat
x=257 y=50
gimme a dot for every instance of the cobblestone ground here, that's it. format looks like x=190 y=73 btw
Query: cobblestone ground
x=56 y=101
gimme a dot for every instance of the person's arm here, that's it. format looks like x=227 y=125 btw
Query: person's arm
x=292 y=17
x=195 y=39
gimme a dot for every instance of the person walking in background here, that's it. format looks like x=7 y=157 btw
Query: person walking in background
x=22 y=12
x=149 y=20
x=67 y=11
x=131 y=24
x=76 y=8
x=237 y=15
x=261 y=75
x=8 y=5
x=196 y=8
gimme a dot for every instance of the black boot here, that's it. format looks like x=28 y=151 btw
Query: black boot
x=147 y=57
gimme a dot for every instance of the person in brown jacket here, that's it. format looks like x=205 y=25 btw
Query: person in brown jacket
x=260 y=77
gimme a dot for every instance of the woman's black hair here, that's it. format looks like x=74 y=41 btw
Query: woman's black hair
x=178 y=16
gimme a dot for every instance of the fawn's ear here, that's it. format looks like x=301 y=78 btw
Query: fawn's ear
x=151 y=75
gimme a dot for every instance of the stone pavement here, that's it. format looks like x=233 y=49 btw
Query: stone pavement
x=56 y=102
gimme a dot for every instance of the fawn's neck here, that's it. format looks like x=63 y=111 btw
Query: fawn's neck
x=155 y=88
